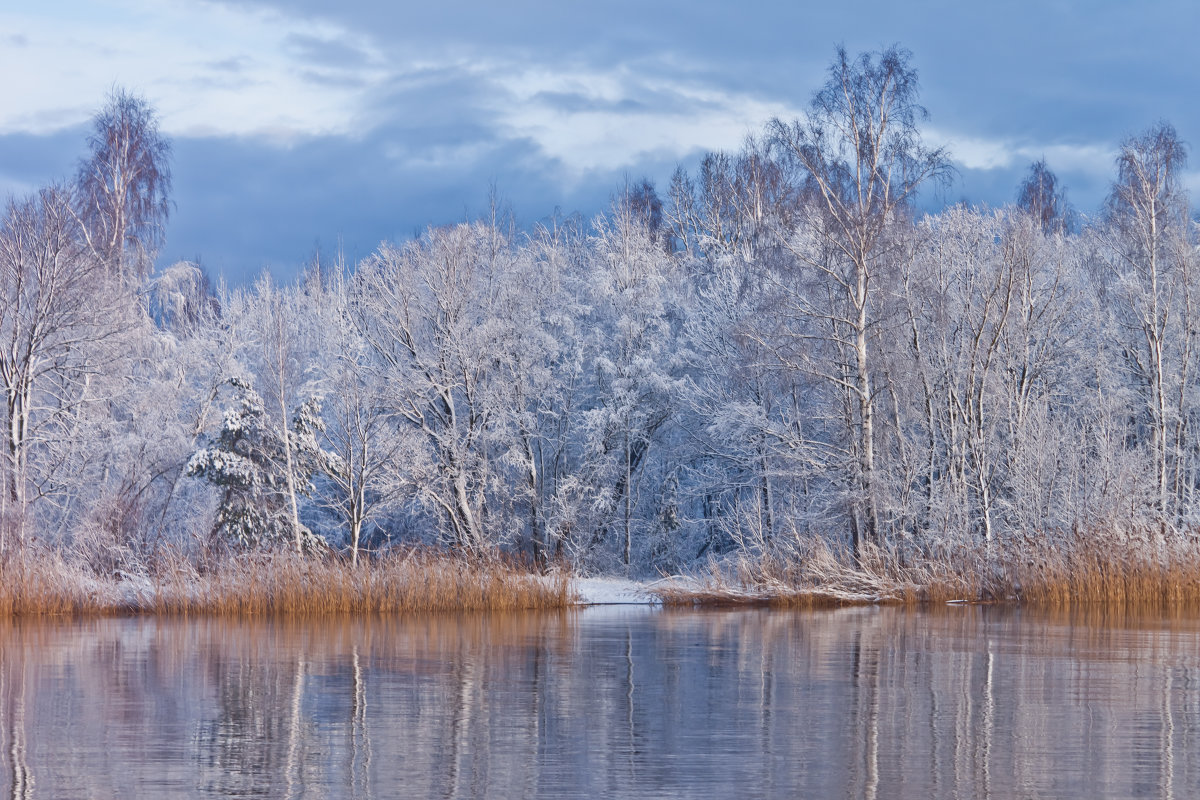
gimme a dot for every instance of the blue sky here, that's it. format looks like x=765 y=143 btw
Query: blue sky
x=297 y=123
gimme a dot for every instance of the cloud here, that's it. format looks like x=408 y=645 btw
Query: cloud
x=603 y=120
x=28 y=162
x=243 y=204
x=246 y=70
x=986 y=153
x=208 y=68
x=296 y=119
x=235 y=65
x=340 y=52
x=15 y=187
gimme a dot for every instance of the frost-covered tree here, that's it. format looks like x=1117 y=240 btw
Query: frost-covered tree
x=961 y=296
x=631 y=362
x=370 y=452
x=62 y=323
x=1043 y=197
x=539 y=357
x=861 y=156
x=427 y=312
x=125 y=184
x=1151 y=281
x=744 y=447
x=259 y=471
x=181 y=298
x=734 y=207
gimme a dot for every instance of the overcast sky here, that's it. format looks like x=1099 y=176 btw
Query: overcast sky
x=298 y=123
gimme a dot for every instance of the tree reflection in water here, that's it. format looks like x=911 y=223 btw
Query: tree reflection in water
x=858 y=703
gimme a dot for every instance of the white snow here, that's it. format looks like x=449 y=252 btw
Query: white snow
x=613 y=591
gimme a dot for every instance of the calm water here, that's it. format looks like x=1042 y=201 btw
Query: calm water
x=860 y=703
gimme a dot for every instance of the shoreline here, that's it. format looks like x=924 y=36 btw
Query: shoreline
x=43 y=583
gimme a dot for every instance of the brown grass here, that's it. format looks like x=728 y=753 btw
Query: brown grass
x=1087 y=570
x=48 y=585
x=279 y=583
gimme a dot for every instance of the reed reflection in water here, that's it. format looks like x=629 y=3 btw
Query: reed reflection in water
x=857 y=703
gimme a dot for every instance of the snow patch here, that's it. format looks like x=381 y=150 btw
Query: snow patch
x=613 y=591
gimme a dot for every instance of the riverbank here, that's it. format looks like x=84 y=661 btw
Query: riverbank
x=1148 y=575
x=1089 y=570
x=279 y=583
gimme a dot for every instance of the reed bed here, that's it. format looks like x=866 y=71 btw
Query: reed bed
x=1085 y=570
x=278 y=584
x=49 y=585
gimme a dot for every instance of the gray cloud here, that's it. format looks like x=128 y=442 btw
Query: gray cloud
x=580 y=102
x=338 y=80
x=1020 y=68
x=235 y=66
x=31 y=160
x=325 y=52
x=434 y=134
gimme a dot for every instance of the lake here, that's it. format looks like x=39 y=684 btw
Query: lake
x=961 y=702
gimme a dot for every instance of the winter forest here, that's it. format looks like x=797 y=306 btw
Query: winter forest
x=773 y=351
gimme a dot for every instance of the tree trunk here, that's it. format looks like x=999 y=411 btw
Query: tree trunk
x=866 y=413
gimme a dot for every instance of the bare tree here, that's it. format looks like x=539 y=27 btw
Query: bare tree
x=370 y=451
x=860 y=153
x=283 y=370
x=57 y=309
x=1045 y=199
x=426 y=311
x=1153 y=275
x=125 y=184
x=734 y=207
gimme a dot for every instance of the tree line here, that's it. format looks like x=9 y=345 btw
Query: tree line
x=776 y=349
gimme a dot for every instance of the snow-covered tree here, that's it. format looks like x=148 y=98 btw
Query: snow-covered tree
x=63 y=327
x=1151 y=280
x=258 y=470
x=860 y=154
x=427 y=312
x=124 y=185
x=632 y=368
x=368 y=471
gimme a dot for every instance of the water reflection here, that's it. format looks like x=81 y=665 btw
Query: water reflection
x=859 y=703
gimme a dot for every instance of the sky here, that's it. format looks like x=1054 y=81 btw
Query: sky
x=308 y=125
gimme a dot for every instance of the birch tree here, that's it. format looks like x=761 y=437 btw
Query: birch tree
x=367 y=470
x=1152 y=276
x=124 y=185
x=1043 y=197
x=58 y=309
x=860 y=153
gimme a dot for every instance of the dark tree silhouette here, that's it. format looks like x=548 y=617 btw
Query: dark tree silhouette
x=1044 y=198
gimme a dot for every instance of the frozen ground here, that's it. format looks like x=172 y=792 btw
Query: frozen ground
x=612 y=591
x=618 y=591
x=138 y=592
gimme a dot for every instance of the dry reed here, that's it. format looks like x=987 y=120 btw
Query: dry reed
x=1086 y=570
x=278 y=583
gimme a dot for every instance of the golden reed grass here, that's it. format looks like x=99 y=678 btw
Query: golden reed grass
x=1087 y=570
x=278 y=583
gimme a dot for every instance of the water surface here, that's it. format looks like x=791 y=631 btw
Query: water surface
x=965 y=702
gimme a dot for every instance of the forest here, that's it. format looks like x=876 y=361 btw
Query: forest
x=773 y=354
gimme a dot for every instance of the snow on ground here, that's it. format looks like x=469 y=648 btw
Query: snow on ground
x=615 y=591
